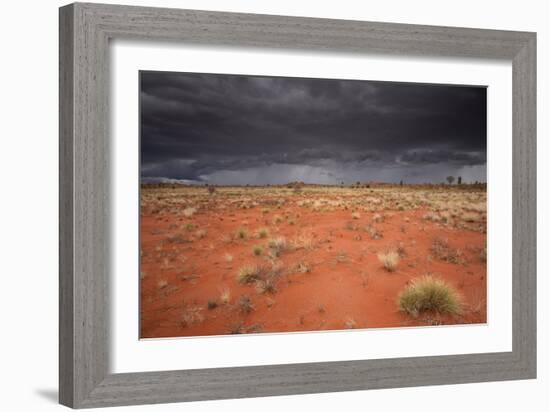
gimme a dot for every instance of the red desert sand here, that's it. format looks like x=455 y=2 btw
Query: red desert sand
x=227 y=260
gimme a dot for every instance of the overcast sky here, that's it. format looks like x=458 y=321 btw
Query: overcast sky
x=226 y=129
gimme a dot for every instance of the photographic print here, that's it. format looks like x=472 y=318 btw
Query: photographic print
x=279 y=204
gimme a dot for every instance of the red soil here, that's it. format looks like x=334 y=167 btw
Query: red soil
x=347 y=285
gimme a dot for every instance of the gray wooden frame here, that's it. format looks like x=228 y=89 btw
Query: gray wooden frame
x=85 y=31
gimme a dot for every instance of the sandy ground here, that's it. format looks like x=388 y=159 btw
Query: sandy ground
x=328 y=277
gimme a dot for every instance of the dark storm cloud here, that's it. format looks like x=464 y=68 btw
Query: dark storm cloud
x=244 y=129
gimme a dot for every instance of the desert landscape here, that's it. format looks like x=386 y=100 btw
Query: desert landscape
x=218 y=260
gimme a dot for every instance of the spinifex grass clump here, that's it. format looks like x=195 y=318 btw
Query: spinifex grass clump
x=262 y=233
x=248 y=274
x=389 y=260
x=277 y=245
x=428 y=294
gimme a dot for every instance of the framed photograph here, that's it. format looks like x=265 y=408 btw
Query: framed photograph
x=256 y=205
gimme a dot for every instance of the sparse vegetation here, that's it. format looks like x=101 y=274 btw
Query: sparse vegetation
x=249 y=274
x=302 y=267
x=429 y=294
x=189 y=211
x=277 y=245
x=242 y=233
x=262 y=233
x=277 y=219
x=389 y=260
x=266 y=285
x=191 y=315
x=350 y=323
x=443 y=251
x=287 y=250
x=245 y=304
x=225 y=296
x=373 y=232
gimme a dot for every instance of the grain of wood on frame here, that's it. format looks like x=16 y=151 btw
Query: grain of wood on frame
x=85 y=30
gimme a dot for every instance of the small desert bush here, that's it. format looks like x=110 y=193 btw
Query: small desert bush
x=212 y=304
x=266 y=286
x=429 y=294
x=242 y=233
x=443 y=251
x=377 y=218
x=303 y=241
x=277 y=245
x=373 y=232
x=189 y=211
x=389 y=260
x=191 y=315
x=245 y=304
x=302 y=267
x=225 y=296
x=277 y=219
x=237 y=328
x=356 y=215
x=350 y=323
x=248 y=274
x=257 y=250
x=262 y=233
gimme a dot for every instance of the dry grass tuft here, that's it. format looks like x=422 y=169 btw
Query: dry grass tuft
x=266 y=286
x=191 y=315
x=373 y=232
x=201 y=233
x=350 y=323
x=249 y=274
x=245 y=304
x=189 y=211
x=262 y=233
x=242 y=233
x=389 y=260
x=302 y=267
x=277 y=219
x=377 y=218
x=443 y=251
x=429 y=294
x=277 y=245
x=225 y=296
